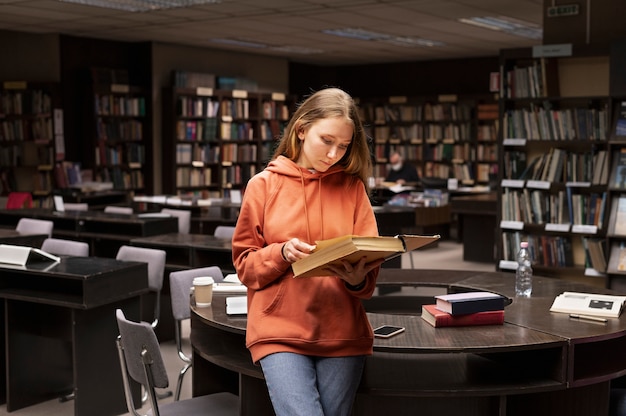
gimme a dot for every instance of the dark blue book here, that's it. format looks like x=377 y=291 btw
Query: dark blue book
x=470 y=302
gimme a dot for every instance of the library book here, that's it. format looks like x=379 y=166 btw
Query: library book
x=589 y=304
x=438 y=318
x=470 y=302
x=21 y=255
x=352 y=248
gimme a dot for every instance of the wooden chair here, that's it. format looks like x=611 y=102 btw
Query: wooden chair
x=141 y=361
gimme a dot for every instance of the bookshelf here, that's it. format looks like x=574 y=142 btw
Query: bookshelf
x=444 y=136
x=120 y=130
x=31 y=124
x=555 y=162
x=216 y=140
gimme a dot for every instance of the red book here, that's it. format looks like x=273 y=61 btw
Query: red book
x=438 y=318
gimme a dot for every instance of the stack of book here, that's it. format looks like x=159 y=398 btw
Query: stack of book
x=465 y=309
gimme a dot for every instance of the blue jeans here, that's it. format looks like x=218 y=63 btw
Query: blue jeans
x=301 y=385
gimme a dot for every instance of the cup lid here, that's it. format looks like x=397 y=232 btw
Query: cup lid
x=203 y=280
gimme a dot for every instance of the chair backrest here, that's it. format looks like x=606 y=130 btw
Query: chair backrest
x=34 y=226
x=112 y=209
x=76 y=206
x=141 y=350
x=224 y=231
x=184 y=218
x=155 y=259
x=65 y=247
x=180 y=288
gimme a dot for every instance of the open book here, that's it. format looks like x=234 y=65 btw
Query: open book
x=352 y=248
x=20 y=255
x=589 y=304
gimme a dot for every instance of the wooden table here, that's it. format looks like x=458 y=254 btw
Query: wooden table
x=11 y=236
x=60 y=330
x=477 y=225
x=105 y=232
x=186 y=251
x=538 y=362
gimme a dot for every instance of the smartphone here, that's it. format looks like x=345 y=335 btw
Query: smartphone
x=386 y=331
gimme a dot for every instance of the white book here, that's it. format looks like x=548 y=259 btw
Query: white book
x=20 y=255
x=237 y=305
x=591 y=304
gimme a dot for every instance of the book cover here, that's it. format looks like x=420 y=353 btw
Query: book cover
x=618 y=174
x=620 y=123
x=589 y=304
x=617 y=258
x=21 y=255
x=469 y=302
x=438 y=318
x=617 y=225
x=352 y=248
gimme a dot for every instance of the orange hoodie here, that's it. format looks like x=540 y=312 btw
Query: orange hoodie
x=314 y=316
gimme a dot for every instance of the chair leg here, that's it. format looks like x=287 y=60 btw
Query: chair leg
x=179 y=383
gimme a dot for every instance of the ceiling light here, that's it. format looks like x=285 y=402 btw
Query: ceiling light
x=237 y=42
x=507 y=25
x=361 y=34
x=407 y=41
x=141 y=5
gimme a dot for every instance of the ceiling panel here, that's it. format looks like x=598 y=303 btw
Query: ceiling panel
x=290 y=23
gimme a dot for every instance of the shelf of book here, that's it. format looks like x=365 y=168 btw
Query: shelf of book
x=218 y=139
x=446 y=136
x=31 y=123
x=120 y=130
x=555 y=165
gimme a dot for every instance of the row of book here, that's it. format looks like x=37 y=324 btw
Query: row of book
x=543 y=123
x=202 y=107
x=535 y=206
x=116 y=105
x=532 y=81
x=417 y=112
x=545 y=250
x=110 y=129
x=120 y=155
x=456 y=132
x=28 y=102
x=27 y=154
x=465 y=309
x=19 y=130
x=187 y=153
x=122 y=180
x=559 y=166
x=193 y=177
x=204 y=130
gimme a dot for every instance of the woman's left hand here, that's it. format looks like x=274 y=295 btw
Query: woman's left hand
x=354 y=274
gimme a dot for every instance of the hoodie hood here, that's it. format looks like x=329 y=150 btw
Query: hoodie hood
x=305 y=177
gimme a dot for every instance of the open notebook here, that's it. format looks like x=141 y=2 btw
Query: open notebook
x=21 y=255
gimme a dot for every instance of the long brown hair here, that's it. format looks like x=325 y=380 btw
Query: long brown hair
x=329 y=103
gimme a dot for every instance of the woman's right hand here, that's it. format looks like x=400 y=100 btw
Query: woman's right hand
x=295 y=249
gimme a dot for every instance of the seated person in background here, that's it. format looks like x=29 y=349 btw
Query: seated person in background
x=399 y=172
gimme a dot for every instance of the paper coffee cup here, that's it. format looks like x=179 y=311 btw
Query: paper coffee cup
x=203 y=291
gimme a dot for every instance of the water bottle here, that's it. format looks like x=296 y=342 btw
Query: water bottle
x=524 y=272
